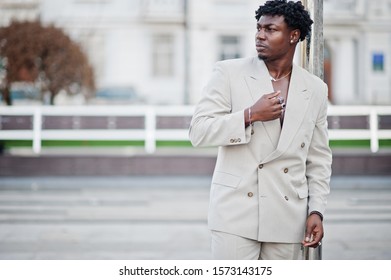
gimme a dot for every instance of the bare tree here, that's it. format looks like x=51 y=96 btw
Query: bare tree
x=44 y=55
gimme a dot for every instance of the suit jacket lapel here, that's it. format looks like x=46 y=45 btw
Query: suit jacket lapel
x=258 y=82
x=297 y=105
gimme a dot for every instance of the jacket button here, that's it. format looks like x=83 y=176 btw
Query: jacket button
x=260 y=166
x=286 y=170
x=303 y=145
x=250 y=194
x=286 y=198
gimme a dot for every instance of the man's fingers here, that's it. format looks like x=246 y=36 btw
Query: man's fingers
x=274 y=94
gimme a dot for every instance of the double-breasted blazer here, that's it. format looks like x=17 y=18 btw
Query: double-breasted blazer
x=264 y=184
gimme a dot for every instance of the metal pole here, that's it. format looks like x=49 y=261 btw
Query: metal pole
x=312 y=53
x=312 y=58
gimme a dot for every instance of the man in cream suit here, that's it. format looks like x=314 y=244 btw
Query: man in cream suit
x=268 y=118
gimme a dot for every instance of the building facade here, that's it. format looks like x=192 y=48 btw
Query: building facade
x=357 y=49
x=166 y=49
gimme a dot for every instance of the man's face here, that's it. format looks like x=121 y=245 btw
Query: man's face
x=272 y=38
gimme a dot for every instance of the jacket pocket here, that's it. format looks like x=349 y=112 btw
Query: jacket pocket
x=301 y=187
x=302 y=190
x=226 y=179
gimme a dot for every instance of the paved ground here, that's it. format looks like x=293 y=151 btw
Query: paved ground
x=164 y=218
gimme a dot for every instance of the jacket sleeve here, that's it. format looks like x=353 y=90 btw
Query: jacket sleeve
x=318 y=171
x=213 y=122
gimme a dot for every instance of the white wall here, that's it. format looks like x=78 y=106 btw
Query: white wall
x=117 y=36
x=378 y=83
x=211 y=19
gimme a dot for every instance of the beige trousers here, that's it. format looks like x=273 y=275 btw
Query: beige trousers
x=227 y=246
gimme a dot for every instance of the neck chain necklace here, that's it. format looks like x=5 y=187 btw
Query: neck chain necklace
x=276 y=80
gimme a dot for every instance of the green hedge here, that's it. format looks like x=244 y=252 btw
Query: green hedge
x=54 y=143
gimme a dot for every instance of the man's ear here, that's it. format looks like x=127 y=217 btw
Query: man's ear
x=295 y=36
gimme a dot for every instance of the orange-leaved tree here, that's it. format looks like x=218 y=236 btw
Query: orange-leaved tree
x=31 y=52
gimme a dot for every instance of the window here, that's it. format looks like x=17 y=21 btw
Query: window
x=163 y=55
x=378 y=62
x=229 y=47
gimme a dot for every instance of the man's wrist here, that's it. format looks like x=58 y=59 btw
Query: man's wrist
x=247 y=117
x=317 y=213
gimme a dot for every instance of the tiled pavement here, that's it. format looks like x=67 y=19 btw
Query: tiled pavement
x=164 y=217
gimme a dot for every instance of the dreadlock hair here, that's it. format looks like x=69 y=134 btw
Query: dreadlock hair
x=294 y=14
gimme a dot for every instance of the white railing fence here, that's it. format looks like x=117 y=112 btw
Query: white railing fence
x=150 y=132
x=373 y=133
